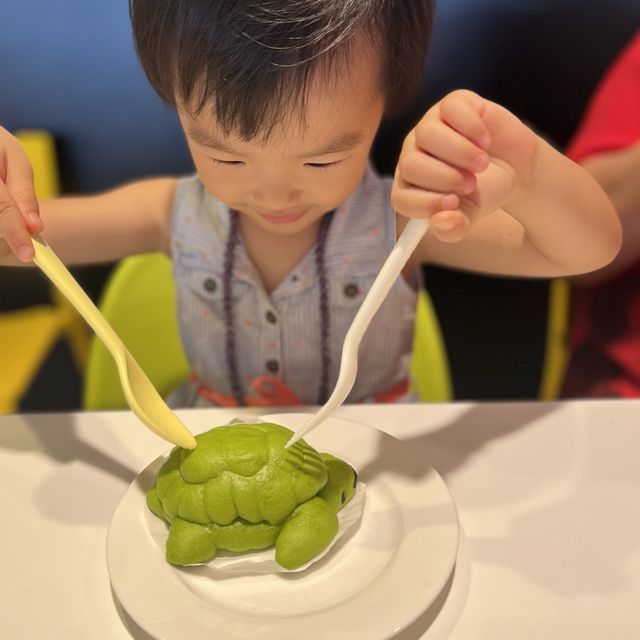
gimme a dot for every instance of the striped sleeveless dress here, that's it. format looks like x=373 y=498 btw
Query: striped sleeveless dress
x=277 y=334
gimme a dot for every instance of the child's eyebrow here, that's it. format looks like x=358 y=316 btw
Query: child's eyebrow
x=207 y=139
x=344 y=142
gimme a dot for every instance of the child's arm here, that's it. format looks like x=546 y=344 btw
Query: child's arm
x=618 y=173
x=131 y=219
x=501 y=200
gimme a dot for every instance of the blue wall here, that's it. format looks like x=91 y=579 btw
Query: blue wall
x=539 y=58
x=69 y=66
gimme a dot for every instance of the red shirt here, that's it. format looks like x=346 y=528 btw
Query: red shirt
x=605 y=340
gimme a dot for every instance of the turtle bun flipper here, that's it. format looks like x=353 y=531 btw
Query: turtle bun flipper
x=190 y=543
x=154 y=504
x=306 y=533
x=342 y=480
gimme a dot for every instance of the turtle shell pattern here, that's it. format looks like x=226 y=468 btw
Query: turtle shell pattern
x=242 y=472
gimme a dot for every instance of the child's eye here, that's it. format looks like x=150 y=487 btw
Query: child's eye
x=322 y=165
x=227 y=163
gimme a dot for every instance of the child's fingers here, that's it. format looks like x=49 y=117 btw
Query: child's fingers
x=462 y=111
x=449 y=226
x=13 y=227
x=425 y=171
x=442 y=142
x=19 y=181
x=446 y=220
x=414 y=202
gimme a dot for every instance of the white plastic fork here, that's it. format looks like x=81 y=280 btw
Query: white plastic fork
x=391 y=269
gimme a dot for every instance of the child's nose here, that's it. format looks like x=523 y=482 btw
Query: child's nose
x=277 y=198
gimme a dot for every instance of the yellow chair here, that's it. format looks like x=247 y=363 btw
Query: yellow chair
x=27 y=335
x=556 y=354
x=40 y=149
x=139 y=303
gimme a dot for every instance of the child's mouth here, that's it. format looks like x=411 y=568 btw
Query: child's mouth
x=283 y=217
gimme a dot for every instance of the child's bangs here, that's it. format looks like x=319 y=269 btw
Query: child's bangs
x=252 y=61
x=254 y=101
x=252 y=75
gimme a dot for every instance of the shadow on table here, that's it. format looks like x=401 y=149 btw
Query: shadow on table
x=57 y=437
x=578 y=537
x=456 y=441
x=552 y=533
x=82 y=469
x=476 y=428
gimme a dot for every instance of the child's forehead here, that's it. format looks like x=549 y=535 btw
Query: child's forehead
x=299 y=140
x=337 y=107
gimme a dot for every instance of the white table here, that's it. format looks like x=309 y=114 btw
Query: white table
x=548 y=497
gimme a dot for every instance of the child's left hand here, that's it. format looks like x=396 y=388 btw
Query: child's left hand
x=466 y=158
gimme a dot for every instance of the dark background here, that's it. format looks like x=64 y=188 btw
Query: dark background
x=69 y=67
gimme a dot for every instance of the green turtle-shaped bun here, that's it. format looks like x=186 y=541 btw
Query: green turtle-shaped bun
x=240 y=490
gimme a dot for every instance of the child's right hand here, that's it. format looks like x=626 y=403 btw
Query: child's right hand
x=19 y=211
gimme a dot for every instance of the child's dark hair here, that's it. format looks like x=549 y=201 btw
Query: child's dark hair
x=252 y=61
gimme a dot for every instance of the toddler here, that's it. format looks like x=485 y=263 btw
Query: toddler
x=280 y=233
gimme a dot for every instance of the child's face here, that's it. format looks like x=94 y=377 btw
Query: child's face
x=302 y=171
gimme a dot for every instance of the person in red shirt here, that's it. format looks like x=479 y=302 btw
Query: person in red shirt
x=605 y=334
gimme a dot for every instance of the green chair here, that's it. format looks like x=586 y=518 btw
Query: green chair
x=429 y=368
x=139 y=303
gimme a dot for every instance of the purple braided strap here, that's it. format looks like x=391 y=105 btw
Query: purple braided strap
x=229 y=321
x=323 y=231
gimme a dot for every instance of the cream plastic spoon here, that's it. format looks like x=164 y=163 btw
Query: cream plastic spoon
x=141 y=395
x=391 y=269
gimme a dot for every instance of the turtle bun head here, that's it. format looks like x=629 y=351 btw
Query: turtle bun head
x=342 y=481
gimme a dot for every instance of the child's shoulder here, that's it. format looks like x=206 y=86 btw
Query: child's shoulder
x=374 y=190
x=199 y=221
x=367 y=215
x=189 y=190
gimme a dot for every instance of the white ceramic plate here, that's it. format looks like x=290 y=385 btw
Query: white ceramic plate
x=369 y=587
